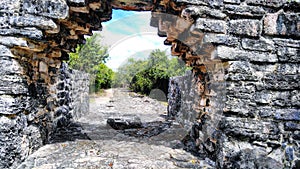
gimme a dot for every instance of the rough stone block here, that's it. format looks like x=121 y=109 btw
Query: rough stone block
x=212 y=3
x=57 y=9
x=10 y=105
x=210 y=25
x=32 y=21
x=260 y=45
x=203 y=12
x=4 y=51
x=12 y=41
x=13 y=84
x=287 y=42
x=232 y=1
x=240 y=71
x=291 y=126
x=281 y=82
x=273 y=3
x=282 y=24
x=30 y=32
x=287 y=114
x=288 y=69
x=287 y=54
x=220 y=39
x=228 y=53
x=10 y=66
x=246 y=27
x=249 y=128
x=244 y=10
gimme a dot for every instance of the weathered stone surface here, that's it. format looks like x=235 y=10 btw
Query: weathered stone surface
x=287 y=54
x=29 y=32
x=246 y=27
x=287 y=42
x=13 y=84
x=232 y=1
x=28 y=21
x=273 y=3
x=57 y=9
x=212 y=3
x=209 y=25
x=288 y=114
x=11 y=105
x=13 y=41
x=228 y=53
x=121 y=123
x=288 y=69
x=220 y=39
x=204 y=11
x=282 y=24
x=11 y=134
x=250 y=128
x=244 y=10
x=261 y=45
x=279 y=81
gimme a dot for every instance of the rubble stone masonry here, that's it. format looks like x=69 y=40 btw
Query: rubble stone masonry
x=244 y=106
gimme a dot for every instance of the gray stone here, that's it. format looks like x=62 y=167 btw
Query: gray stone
x=28 y=20
x=291 y=126
x=4 y=51
x=30 y=32
x=13 y=84
x=287 y=114
x=249 y=128
x=210 y=25
x=121 y=123
x=13 y=41
x=246 y=27
x=288 y=69
x=287 y=54
x=282 y=24
x=280 y=81
x=244 y=10
x=260 y=45
x=10 y=105
x=228 y=53
x=10 y=66
x=287 y=42
x=232 y=1
x=57 y=9
x=273 y=3
x=220 y=39
x=204 y=11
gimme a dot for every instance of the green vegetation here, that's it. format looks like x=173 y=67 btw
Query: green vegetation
x=154 y=72
x=90 y=58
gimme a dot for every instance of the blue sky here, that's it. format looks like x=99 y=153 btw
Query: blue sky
x=129 y=34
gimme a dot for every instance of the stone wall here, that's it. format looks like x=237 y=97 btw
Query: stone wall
x=245 y=59
x=258 y=44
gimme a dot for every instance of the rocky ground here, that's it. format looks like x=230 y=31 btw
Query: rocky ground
x=92 y=143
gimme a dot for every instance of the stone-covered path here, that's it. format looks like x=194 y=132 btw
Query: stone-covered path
x=99 y=146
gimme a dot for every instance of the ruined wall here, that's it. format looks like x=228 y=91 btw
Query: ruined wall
x=258 y=44
x=244 y=54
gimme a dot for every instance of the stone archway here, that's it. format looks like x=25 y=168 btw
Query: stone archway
x=256 y=41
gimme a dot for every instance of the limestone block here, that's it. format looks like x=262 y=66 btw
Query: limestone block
x=246 y=27
x=228 y=53
x=282 y=24
x=57 y=9
x=260 y=45
x=244 y=10
x=11 y=105
x=210 y=25
x=287 y=54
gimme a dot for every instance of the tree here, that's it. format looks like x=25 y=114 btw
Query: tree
x=153 y=72
x=90 y=58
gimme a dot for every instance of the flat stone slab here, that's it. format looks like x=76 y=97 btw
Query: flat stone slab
x=121 y=123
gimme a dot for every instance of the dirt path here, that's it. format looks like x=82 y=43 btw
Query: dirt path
x=110 y=148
